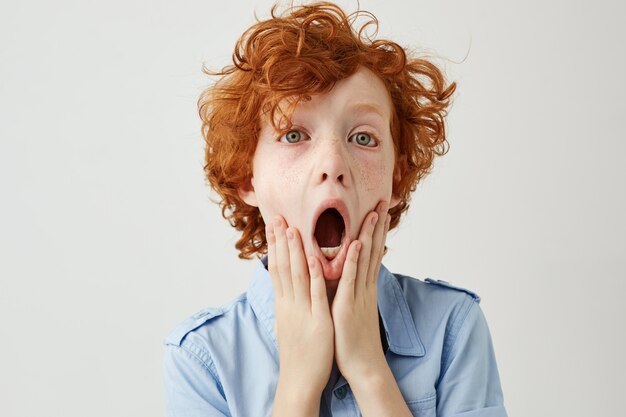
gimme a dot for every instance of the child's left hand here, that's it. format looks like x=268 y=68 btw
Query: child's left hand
x=358 y=348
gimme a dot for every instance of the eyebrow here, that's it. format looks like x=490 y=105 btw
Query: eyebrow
x=365 y=107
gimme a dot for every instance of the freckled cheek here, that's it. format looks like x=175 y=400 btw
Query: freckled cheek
x=279 y=188
x=375 y=177
x=291 y=175
x=285 y=176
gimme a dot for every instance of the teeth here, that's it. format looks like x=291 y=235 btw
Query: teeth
x=330 y=252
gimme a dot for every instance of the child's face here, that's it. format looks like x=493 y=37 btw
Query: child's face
x=338 y=154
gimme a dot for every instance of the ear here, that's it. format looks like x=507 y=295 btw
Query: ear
x=397 y=176
x=247 y=193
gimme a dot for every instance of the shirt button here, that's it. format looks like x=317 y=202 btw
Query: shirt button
x=341 y=392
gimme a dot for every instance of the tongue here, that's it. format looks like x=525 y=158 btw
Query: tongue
x=329 y=229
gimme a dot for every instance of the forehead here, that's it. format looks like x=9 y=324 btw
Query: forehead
x=361 y=93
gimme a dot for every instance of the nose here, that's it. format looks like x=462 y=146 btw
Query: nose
x=333 y=164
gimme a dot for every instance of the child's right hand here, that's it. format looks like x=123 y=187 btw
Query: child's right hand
x=304 y=327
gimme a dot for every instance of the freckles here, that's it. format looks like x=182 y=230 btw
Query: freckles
x=372 y=177
x=292 y=181
x=289 y=177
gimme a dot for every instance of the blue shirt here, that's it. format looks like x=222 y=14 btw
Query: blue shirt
x=224 y=361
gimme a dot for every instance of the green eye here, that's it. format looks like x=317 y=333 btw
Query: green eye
x=293 y=136
x=364 y=139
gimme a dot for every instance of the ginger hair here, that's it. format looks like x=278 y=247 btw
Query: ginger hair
x=299 y=53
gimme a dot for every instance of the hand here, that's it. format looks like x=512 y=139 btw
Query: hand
x=358 y=348
x=304 y=327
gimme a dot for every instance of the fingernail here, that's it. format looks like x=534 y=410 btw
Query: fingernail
x=311 y=263
x=374 y=218
x=358 y=247
x=289 y=234
x=277 y=222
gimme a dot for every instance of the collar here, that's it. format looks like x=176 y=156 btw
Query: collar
x=400 y=329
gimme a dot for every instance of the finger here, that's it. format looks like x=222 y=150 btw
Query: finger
x=299 y=270
x=271 y=260
x=346 y=288
x=282 y=257
x=365 y=238
x=319 y=298
x=382 y=252
x=378 y=242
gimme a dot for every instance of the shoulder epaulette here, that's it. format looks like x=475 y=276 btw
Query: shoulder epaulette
x=446 y=284
x=177 y=335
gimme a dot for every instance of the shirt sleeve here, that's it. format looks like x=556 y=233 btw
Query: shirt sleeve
x=192 y=388
x=469 y=385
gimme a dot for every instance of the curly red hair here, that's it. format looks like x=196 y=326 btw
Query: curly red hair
x=302 y=52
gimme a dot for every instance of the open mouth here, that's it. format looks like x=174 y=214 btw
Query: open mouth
x=330 y=230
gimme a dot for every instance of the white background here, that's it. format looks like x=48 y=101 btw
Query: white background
x=108 y=237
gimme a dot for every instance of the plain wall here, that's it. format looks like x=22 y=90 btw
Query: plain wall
x=108 y=237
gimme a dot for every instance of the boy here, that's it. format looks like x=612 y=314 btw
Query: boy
x=315 y=139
